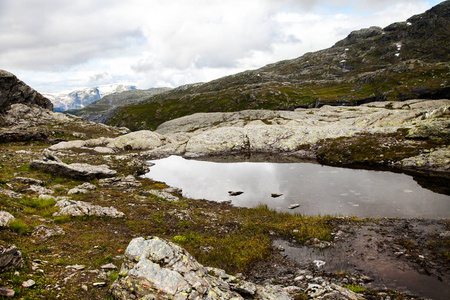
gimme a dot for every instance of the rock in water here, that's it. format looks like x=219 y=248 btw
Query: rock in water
x=292 y=206
x=154 y=268
x=235 y=193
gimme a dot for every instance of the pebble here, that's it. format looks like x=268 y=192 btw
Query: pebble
x=28 y=283
x=102 y=283
x=109 y=266
x=292 y=206
x=76 y=267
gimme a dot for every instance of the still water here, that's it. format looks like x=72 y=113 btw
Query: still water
x=319 y=190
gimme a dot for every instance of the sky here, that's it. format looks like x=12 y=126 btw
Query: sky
x=62 y=45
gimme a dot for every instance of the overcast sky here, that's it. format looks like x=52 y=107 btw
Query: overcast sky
x=60 y=45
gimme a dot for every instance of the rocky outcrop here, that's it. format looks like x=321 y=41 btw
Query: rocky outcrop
x=52 y=164
x=10 y=258
x=80 y=208
x=140 y=140
x=13 y=90
x=154 y=268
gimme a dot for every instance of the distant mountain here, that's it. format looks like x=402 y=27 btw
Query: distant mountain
x=402 y=61
x=83 y=97
x=101 y=110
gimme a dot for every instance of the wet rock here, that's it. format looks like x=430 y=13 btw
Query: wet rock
x=292 y=206
x=45 y=232
x=52 y=164
x=5 y=218
x=10 y=258
x=314 y=242
x=119 y=182
x=80 y=208
x=276 y=195
x=154 y=268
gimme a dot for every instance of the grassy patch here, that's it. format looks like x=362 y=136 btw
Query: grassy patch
x=19 y=226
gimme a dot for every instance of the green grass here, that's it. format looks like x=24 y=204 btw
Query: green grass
x=20 y=227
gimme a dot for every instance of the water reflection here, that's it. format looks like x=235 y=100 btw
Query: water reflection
x=318 y=189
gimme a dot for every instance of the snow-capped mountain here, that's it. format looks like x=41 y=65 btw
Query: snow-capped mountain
x=80 y=98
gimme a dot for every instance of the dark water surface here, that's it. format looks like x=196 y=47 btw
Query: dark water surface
x=318 y=189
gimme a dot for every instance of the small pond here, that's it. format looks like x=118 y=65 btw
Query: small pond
x=318 y=189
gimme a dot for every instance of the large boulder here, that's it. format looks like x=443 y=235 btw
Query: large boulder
x=154 y=268
x=13 y=90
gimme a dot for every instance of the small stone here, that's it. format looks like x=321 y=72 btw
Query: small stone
x=102 y=283
x=5 y=218
x=292 y=206
x=6 y=291
x=28 y=283
x=275 y=195
x=84 y=287
x=109 y=266
x=76 y=267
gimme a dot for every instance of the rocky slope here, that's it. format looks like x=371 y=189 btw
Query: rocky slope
x=406 y=60
x=102 y=110
x=71 y=201
x=83 y=97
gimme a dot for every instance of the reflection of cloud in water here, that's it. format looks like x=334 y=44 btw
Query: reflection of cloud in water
x=318 y=189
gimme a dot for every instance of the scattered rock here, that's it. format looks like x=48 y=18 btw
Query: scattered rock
x=27 y=180
x=76 y=267
x=315 y=242
x=45 y=232
x=155 y=268
x=109 y=266
x=119 y=182
x=76 y=190
x=28 y=283
x=10 y=258
x=5 y=218
x=163 y=194
x=292 y=206
x=6 y=291
x=50 y=163
x=275 y=195
x=39 y=189
x=80 y=208
x=235 y=193
x=10 y=194
x=87 y=186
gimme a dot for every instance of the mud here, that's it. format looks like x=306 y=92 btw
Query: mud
x=409 y=256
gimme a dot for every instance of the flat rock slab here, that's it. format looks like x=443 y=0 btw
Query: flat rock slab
x=81 y=208
x=54 y=165
x=10 y=258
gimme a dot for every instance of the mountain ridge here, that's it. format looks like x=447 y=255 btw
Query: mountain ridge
x=80 y=98
x=405 y=60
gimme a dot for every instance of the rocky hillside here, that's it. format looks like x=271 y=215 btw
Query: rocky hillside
x=13 y=90
x=78 y=222
x=83 y=97
x=102 y=110
x=405 y=60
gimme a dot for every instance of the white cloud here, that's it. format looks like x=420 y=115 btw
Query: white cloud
x=62 y=44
